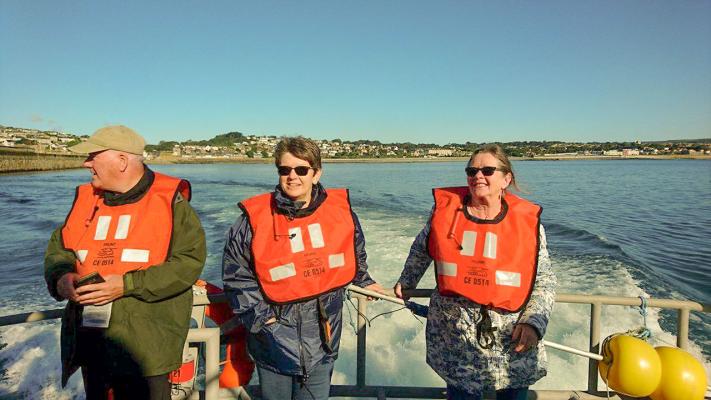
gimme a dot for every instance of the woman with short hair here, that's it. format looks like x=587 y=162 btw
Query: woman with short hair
x=286 y=262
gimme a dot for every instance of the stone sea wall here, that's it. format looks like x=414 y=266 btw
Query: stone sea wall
x=20 y=162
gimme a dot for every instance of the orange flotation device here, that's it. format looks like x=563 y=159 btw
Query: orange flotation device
x=237 y=366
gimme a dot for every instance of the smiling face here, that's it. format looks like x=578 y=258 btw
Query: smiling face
x=487 y=188
x=298 y=188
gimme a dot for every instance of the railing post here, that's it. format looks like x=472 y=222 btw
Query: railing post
x=212 y=365
x=211 y=337
x=595 y=315
x=682 y=336
x=360 y=355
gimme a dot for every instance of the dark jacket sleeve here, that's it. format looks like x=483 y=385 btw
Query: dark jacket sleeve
x=362 y=278
x=183 y=266
x=57 y=262
x=240 y=283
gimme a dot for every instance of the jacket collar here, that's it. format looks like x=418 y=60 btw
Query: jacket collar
x=134 y=194
x=292 y=209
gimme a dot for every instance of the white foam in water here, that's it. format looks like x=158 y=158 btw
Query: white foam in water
x=32 y=365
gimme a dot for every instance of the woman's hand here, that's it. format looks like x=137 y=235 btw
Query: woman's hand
x=525 y=337
x=398 y=291
x=376 y=288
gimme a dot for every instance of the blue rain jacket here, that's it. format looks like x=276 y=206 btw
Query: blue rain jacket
x=292 y=345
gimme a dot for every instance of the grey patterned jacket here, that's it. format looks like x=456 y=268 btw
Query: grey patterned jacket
x=452 y=348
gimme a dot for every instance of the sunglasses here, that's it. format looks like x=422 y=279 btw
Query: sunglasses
x=285 y=171
x=486 y=171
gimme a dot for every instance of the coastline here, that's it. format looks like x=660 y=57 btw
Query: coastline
x=33 y=162
x=422 y=160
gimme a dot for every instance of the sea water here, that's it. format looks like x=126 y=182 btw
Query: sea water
x=621 y=228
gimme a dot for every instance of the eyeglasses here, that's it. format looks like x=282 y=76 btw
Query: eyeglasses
x=285 y=171
x=487 y=171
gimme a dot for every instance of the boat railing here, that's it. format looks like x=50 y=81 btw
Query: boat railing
x=361 y=389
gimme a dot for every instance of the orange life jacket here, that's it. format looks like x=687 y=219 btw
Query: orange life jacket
x=119 y=239
x=301 y=258
x=492 y=263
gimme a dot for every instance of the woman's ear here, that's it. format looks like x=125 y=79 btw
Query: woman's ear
x=317 y=176
x=507 y=179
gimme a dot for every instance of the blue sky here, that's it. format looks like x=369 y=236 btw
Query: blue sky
x=394 y=71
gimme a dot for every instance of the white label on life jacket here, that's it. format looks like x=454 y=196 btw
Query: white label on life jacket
x=316 y=236
x=122 y=229
x=506 y=278
x=336 y=260
x=102 y=227
x=446 y=268
x=296 y=241
x=282 y=272
x=490 y=245
x=81 y=255
x=468 y=243
x=135 y=255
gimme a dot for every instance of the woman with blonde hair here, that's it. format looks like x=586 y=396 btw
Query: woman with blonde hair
x=495 y=286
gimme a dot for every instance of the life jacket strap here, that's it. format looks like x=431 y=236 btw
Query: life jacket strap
x=484 y=330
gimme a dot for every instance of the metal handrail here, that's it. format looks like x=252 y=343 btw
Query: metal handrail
x=361 y=389
x=596 y=302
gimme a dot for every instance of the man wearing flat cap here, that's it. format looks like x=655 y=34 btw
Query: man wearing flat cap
x=125 y=259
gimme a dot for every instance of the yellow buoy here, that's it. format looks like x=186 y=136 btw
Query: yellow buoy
x=630 y=366
x=683 y=377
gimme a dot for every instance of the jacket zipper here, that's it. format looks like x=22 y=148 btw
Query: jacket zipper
x=305 y=375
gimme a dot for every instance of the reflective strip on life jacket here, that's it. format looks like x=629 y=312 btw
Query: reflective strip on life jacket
x=301 y=258
x=118 y=239
x=492 y=263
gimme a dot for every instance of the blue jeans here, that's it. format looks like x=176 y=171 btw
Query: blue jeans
x=284 y=387
x=504 y=394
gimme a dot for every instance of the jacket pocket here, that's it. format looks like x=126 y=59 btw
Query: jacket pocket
x=276 y=345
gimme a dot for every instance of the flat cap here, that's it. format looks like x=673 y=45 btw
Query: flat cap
x=116 y=137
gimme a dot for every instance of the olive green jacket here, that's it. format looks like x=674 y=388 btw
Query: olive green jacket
x=149 y=324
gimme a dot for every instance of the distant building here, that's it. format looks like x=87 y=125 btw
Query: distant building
x=440 y=152
x=630 y=152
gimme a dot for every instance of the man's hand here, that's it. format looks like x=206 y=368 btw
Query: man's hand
x=102 y=293
x=525 y=337
x=65 y=286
